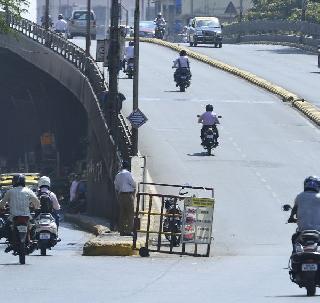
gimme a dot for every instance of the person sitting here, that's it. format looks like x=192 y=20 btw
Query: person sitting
x=182 y=65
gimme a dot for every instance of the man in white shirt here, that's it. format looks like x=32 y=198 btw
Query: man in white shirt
x=125 y=187
x=73 y=188
x=20 y=199
x=61 y=25
x=182 y=65
x=129 y=54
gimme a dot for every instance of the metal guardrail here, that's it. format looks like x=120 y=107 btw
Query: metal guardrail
x=86 y=65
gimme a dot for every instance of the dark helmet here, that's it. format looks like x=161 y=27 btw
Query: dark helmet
x=159 y=15
x=183 y=53
x=18 y=180
x=312 y=183
x=125 y=164
x=131 y=43
x=209 y=108
x=60 y=16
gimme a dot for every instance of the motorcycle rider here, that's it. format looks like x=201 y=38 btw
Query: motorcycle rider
x=129 y=54
x=306 y=209
x=160 y=22
x=209 y=119
x=61 y=25
x=44 y=185
x=181 y=64
x=19 y=198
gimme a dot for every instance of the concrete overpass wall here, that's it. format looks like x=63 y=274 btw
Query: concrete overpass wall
x=103 y=159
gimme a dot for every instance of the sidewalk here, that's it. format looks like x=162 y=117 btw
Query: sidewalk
x=105 y=242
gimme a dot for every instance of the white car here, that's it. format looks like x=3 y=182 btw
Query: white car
x=77 y=24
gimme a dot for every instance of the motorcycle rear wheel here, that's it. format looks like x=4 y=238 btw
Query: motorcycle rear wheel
x=311 y=290
x=22 y=253
x=209 y=151
x=182 y=88
x=43 y=251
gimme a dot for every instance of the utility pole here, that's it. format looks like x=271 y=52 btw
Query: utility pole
x=303 y=10
x=241 y=11
x=88 y=34
x=135 y=136
x=46 y=15
x=113 y=65
x=191 y=8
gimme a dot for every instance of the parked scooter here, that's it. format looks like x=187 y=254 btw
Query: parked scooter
x=172 y=222
x=304 y=262
x=130 y=68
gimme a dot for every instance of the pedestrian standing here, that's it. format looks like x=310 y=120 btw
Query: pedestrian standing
x=125 y=187
x=73 y=188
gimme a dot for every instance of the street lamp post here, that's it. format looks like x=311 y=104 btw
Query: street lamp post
x=303 y=10
x=136 y=74
x=46 y=15
x=88 y=34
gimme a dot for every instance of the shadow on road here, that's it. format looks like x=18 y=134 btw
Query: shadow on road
x=315 y=73
x=202 y=154
x=290 y=296
x=171 y=91
x=286 y=51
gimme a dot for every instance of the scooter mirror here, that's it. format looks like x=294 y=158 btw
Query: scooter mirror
x=219 y=116
x=286 y=207
x=198 y=116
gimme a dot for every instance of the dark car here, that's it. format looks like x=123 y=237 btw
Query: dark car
x=205 y=30
x=147 y=29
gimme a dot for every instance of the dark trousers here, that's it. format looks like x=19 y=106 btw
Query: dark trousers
x=126 y=212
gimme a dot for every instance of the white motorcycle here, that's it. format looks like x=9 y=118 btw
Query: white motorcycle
x=46 y=232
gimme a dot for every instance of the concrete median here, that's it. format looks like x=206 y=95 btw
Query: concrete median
x=307 y=108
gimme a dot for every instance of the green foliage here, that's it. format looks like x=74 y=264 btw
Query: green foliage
x=14 y=7
x=284 y=10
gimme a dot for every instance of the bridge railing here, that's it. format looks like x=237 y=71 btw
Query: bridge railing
x=120 y=131
x=276 y=30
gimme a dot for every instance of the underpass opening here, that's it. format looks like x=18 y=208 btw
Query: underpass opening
x=44 y=126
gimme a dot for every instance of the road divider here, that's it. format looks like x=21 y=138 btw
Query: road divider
x=308 y=109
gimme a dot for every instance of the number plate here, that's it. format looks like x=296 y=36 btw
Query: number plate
x=309 y=267
x=210 y=136
x=22 y=228
x=44 y=236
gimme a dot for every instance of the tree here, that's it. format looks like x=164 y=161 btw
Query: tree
x=284 y=10
x=14 y=7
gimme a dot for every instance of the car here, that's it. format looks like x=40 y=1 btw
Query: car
x=77 y=24
x=204 y=30
x=147 y=29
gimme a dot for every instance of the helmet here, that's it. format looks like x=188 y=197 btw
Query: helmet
x=44 y=181
x=183 y=53
x=125 y=164
x=131 y=43
x=60 y=16
x=209 y=108
x=312 y=183
x=19 y=180
x=159 y=14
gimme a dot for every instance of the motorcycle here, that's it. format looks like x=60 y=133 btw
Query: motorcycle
x=304 y=262
x=20 y=237
x=4 y=215
x=210 y=138
x=173 y=220
x=45 y=232
x=182 y=78
x=159 y=31
x=130 y=68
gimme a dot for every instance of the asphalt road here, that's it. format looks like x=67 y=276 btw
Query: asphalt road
x=292 y=68
x=266 y=149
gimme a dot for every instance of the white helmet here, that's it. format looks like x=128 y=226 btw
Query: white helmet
x=44 y=181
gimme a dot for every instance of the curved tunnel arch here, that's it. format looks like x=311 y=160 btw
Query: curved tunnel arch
x=32 y=103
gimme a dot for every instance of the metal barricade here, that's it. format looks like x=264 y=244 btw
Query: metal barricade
x=175 y=224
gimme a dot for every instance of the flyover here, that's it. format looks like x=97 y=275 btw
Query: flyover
x=70 y=68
